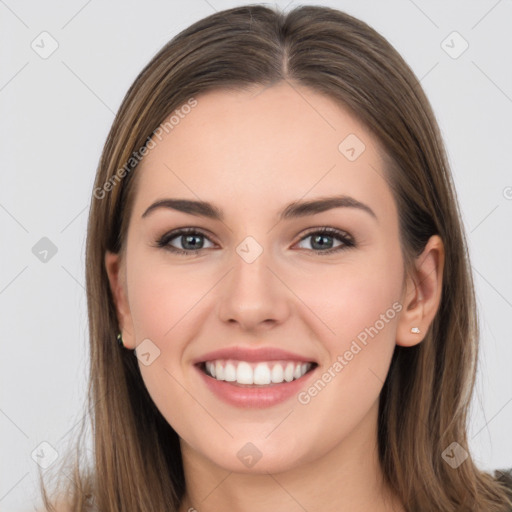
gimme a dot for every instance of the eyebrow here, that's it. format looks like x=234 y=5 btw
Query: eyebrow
x=293 y=210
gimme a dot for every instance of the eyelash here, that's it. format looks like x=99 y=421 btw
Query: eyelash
x=348 y=241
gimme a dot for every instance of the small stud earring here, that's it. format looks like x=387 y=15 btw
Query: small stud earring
x=415 y=330
x=120 y=340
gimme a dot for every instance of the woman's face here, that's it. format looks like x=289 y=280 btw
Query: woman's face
x=277 y=297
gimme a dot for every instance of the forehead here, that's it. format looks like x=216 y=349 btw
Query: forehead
x=261 y=147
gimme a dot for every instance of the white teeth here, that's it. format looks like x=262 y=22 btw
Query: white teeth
x=219 y=371
x=288 y=373
x=244 y=373
x=277 y=374
x=211 y=368
x=260 y=374
x=229 y=372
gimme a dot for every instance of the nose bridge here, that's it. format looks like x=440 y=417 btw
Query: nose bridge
x=251 y=275
x=252 y=292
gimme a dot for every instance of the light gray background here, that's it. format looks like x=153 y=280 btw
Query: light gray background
x=56 y=113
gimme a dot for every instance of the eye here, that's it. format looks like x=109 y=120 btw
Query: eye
x=321 y=240
x=189 y=238
x=192 y=241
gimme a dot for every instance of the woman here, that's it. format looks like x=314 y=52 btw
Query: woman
x=274 y=240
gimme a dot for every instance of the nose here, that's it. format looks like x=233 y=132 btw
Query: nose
x=254 y=295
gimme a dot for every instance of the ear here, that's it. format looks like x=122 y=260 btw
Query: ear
x=116 y=271
x=422 y=296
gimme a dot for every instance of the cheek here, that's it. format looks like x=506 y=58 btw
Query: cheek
x=358 y=311
x=162 y=301
x=362 y=309
x=162 y=298
x=354 y=299
x=165 y=304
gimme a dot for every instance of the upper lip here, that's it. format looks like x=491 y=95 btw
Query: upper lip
x=252 y=354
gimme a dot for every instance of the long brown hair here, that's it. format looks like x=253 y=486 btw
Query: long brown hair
x=424 y=402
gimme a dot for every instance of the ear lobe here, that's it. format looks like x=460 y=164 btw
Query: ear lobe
x=117 y=279
x=423 y=293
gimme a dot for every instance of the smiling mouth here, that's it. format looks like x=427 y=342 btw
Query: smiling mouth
x=256 y=374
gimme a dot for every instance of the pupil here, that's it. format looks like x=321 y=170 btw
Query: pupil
x=187 y=240
x=318 y=239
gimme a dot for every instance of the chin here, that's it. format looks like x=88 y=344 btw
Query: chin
x=268 y=463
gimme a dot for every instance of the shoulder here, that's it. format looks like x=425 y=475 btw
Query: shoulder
x=505 y=476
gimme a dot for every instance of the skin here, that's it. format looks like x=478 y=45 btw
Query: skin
x=251 y=153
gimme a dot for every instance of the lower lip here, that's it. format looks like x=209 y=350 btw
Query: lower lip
x=254 y=397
